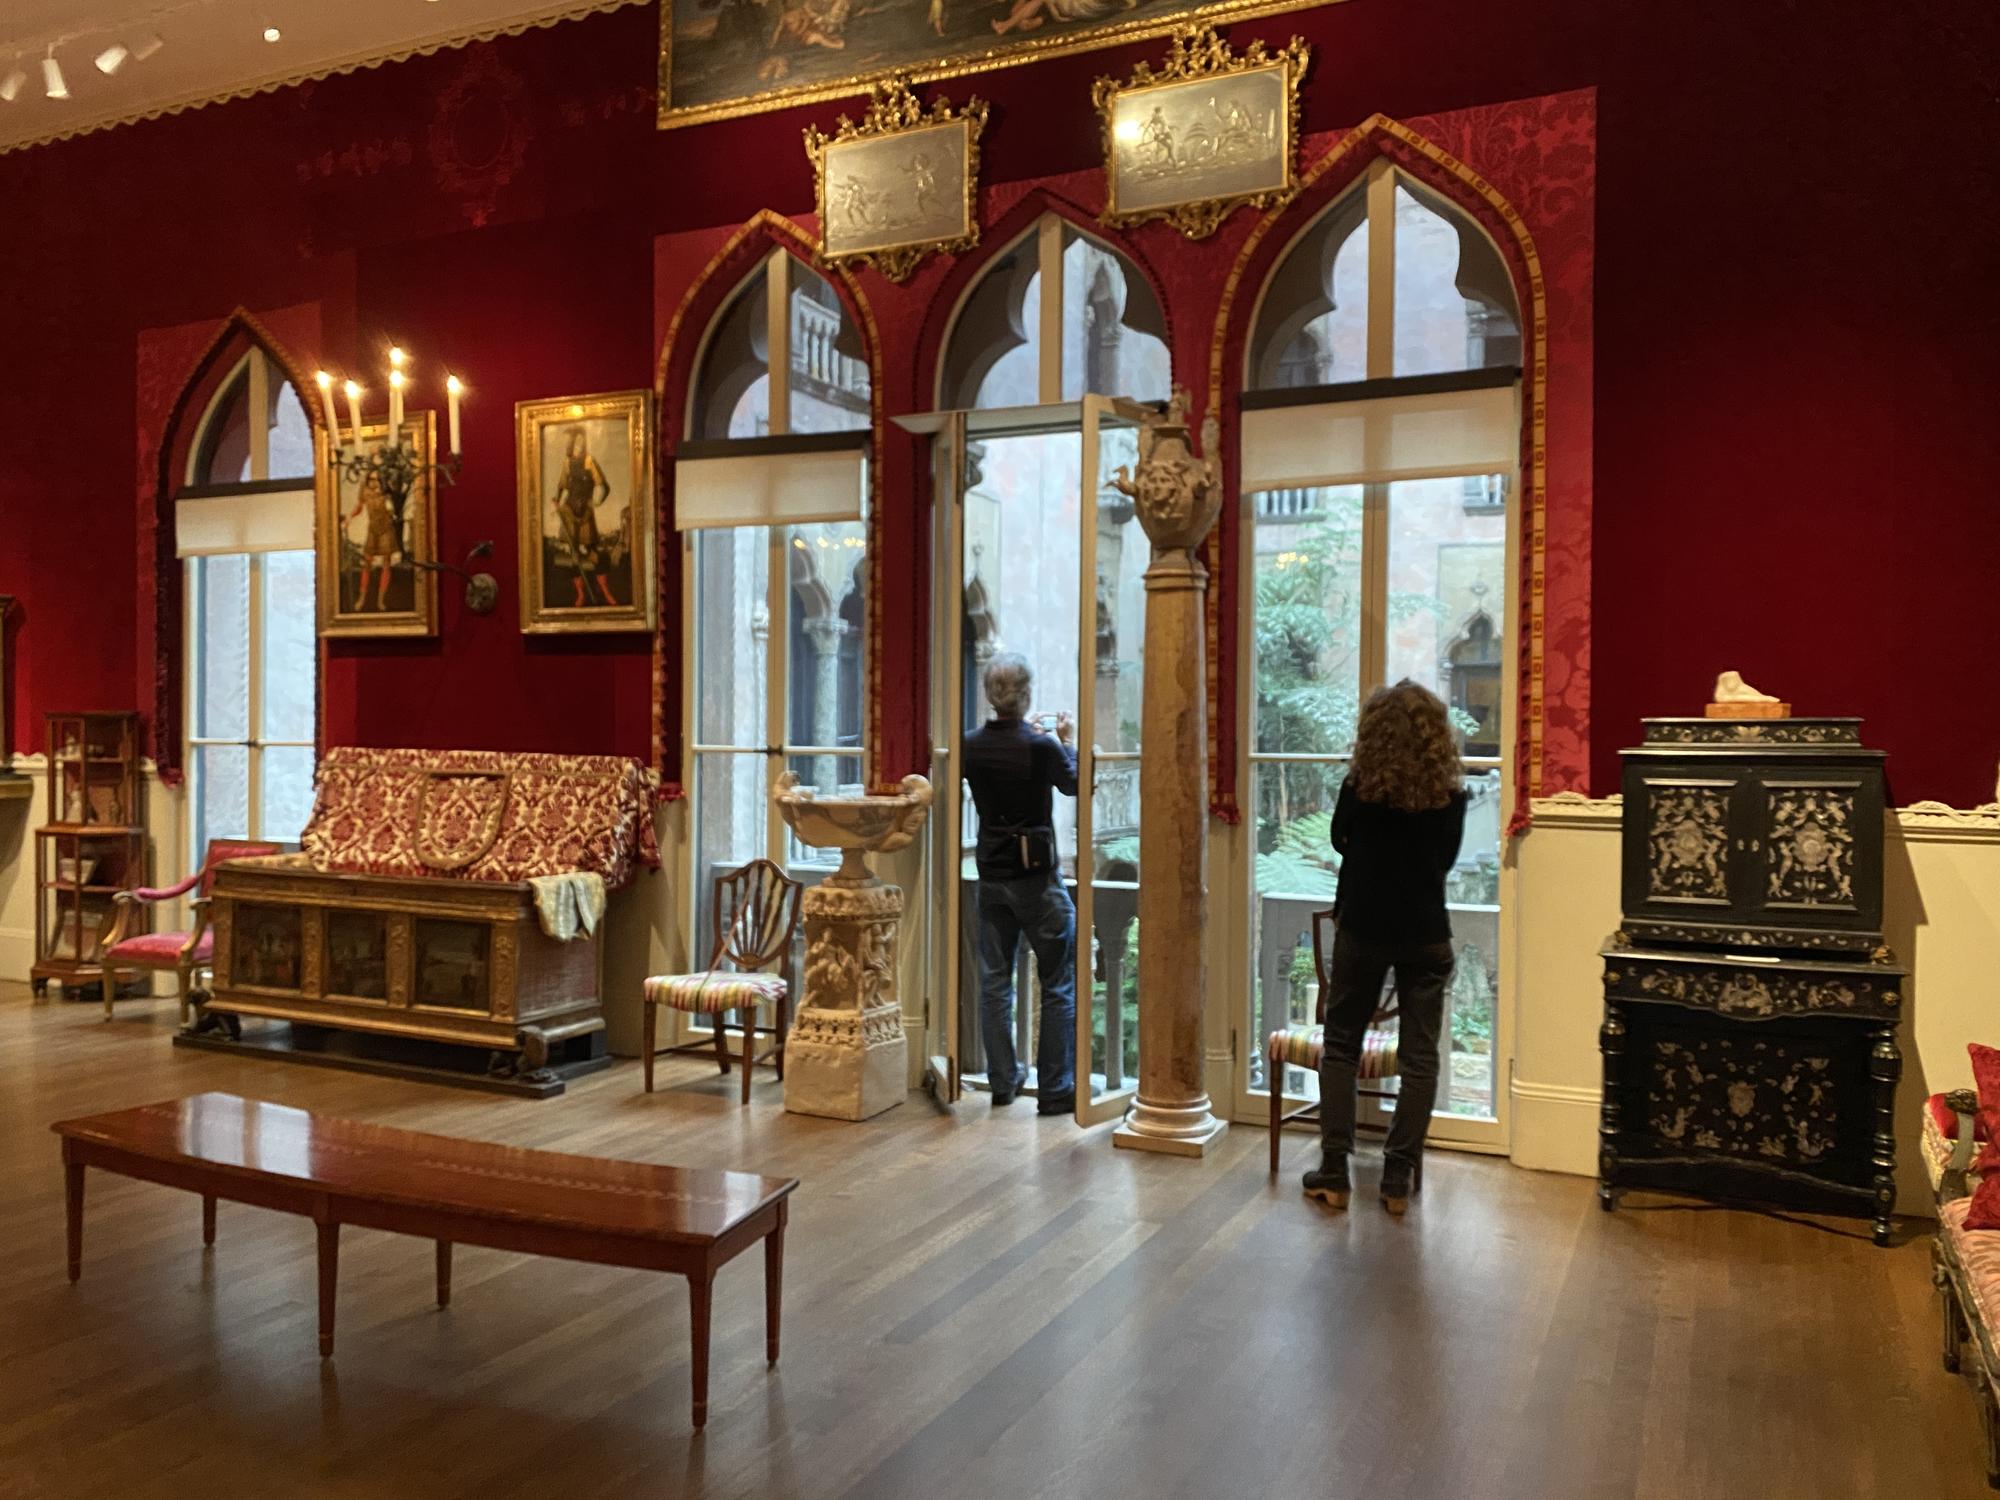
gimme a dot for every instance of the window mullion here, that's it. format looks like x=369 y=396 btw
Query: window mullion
x=778 y=342
x=1381 y=270
x=1049 y=253
x=777 y=678
x=253 y=770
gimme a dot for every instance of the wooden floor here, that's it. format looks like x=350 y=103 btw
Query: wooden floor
x=978 y=1307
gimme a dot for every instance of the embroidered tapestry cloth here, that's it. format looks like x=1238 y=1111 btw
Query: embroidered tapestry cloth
x=481 y=814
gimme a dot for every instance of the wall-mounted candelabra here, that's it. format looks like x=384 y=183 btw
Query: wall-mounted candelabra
x=394 y=467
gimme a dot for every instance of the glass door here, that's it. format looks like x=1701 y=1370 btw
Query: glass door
x=1045 y=560
x=777 y=683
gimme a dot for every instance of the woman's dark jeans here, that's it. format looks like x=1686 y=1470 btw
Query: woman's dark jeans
x=1422 y=971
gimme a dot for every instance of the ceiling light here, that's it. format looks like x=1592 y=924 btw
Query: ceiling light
x=53 y=79
x=11 y=85
x=272 y=34
x=147 y=48
x=112 y=58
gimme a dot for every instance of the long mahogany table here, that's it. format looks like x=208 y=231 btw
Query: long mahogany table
x=335 y=1172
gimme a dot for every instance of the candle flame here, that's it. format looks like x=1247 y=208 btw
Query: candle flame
x=396 y=380
x=352 y=389
x=324 y=380
x=453 y=385
x=396 y=358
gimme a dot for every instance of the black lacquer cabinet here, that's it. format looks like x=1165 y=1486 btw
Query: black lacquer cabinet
x=1750 y=1007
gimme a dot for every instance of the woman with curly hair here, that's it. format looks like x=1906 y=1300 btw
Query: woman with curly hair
x=1396 y=828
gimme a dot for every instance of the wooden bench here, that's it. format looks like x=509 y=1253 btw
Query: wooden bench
x=335 y=1172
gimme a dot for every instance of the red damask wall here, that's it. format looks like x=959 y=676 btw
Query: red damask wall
x=1795 y=333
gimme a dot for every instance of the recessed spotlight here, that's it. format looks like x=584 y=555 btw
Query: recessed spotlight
x=112 y=58
x=272 y=34
x=52 y=78
x=145 y=49
x=10 y=86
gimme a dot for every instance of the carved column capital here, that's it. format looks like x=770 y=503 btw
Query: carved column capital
x=1176 y=492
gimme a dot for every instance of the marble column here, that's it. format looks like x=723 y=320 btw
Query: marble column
x=1177 y=496
x=825 y=631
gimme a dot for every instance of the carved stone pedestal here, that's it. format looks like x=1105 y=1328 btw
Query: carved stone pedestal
x=846 y=1058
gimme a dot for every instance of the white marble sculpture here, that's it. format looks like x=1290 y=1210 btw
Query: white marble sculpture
x=1731 y=688
x=846 y=1058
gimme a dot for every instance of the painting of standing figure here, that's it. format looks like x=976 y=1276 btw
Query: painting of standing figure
x=721 y=58
x=585 y=482
x=376 y=540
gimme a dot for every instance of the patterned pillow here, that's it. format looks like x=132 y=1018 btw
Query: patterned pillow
x=1986 y=1078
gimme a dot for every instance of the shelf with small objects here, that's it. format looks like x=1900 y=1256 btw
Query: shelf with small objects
x=1751 y=1008
x=92 y=847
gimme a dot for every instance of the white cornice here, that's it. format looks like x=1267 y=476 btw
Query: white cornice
x=549 y=13
x=1574 y=810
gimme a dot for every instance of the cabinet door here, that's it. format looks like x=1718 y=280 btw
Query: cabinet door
x=1680 y=857
x=1814 y=853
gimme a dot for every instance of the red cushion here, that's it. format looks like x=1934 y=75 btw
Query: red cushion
x=1986 y=1124
x=161 y=950
x=1983 y=1212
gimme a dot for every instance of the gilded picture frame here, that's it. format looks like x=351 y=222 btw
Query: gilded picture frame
x=375 y=570
x=719 y=61
x=584 y=504
x=1207 y=132
x=901 y=184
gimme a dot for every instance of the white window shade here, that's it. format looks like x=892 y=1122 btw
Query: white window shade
x=214 y=525
x=1382 y=439
x=784 y=488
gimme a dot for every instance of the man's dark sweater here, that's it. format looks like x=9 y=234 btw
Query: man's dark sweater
x=1014 y=770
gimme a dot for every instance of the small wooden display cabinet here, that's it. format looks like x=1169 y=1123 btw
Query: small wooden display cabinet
x=462 y=962
x=92 y=847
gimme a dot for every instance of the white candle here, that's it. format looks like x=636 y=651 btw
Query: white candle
x=395 y=405
x=354 y=411
x=453 y=389
x=325 y=383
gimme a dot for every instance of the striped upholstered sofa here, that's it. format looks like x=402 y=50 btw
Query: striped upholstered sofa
x=1965 y=1263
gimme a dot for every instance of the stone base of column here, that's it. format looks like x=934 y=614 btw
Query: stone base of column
x=846 y=1064
x=1189 y=1130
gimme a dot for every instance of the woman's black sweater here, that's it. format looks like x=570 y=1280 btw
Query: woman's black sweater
x=1392 y=868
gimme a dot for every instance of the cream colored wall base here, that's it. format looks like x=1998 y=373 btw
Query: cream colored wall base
x=1555 y=1127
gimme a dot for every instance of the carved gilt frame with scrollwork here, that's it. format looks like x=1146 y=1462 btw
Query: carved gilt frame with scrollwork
x=893 y=110
x=1198 y=56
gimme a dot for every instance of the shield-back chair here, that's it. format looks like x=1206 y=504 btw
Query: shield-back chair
x=1302 y=1046
x=185 y=953
x=756 y=914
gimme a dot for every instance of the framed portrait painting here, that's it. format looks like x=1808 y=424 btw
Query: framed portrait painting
x=584 y=474
x=377 y=550
x=722 y=58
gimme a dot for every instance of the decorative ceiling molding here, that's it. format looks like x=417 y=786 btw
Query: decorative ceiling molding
x=551 y=14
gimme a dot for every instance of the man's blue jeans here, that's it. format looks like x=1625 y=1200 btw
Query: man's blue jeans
x=1035 y=907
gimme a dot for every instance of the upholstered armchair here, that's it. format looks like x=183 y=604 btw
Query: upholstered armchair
x=182 y=952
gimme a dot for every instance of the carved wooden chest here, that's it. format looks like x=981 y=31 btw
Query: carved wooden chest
x=457 y=961
x=1750 y=1007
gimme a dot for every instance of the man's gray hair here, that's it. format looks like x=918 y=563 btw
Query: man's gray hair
x=1009 y=682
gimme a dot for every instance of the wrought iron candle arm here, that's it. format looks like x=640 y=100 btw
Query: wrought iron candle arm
x=396 y=471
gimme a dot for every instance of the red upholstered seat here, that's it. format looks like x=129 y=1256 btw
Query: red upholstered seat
x=160 y=950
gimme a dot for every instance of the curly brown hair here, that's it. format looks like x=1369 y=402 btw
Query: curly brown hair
x=1405 y=750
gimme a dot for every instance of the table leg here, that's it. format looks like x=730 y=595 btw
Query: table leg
x=774 y=1280
x=329 y=1271
x=699 y=1290
x=444 y=1273
x=208 y=1218
x=73 y=1202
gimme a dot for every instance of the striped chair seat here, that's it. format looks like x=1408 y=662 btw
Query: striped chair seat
x=1302 y=1047
x=714 y=991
